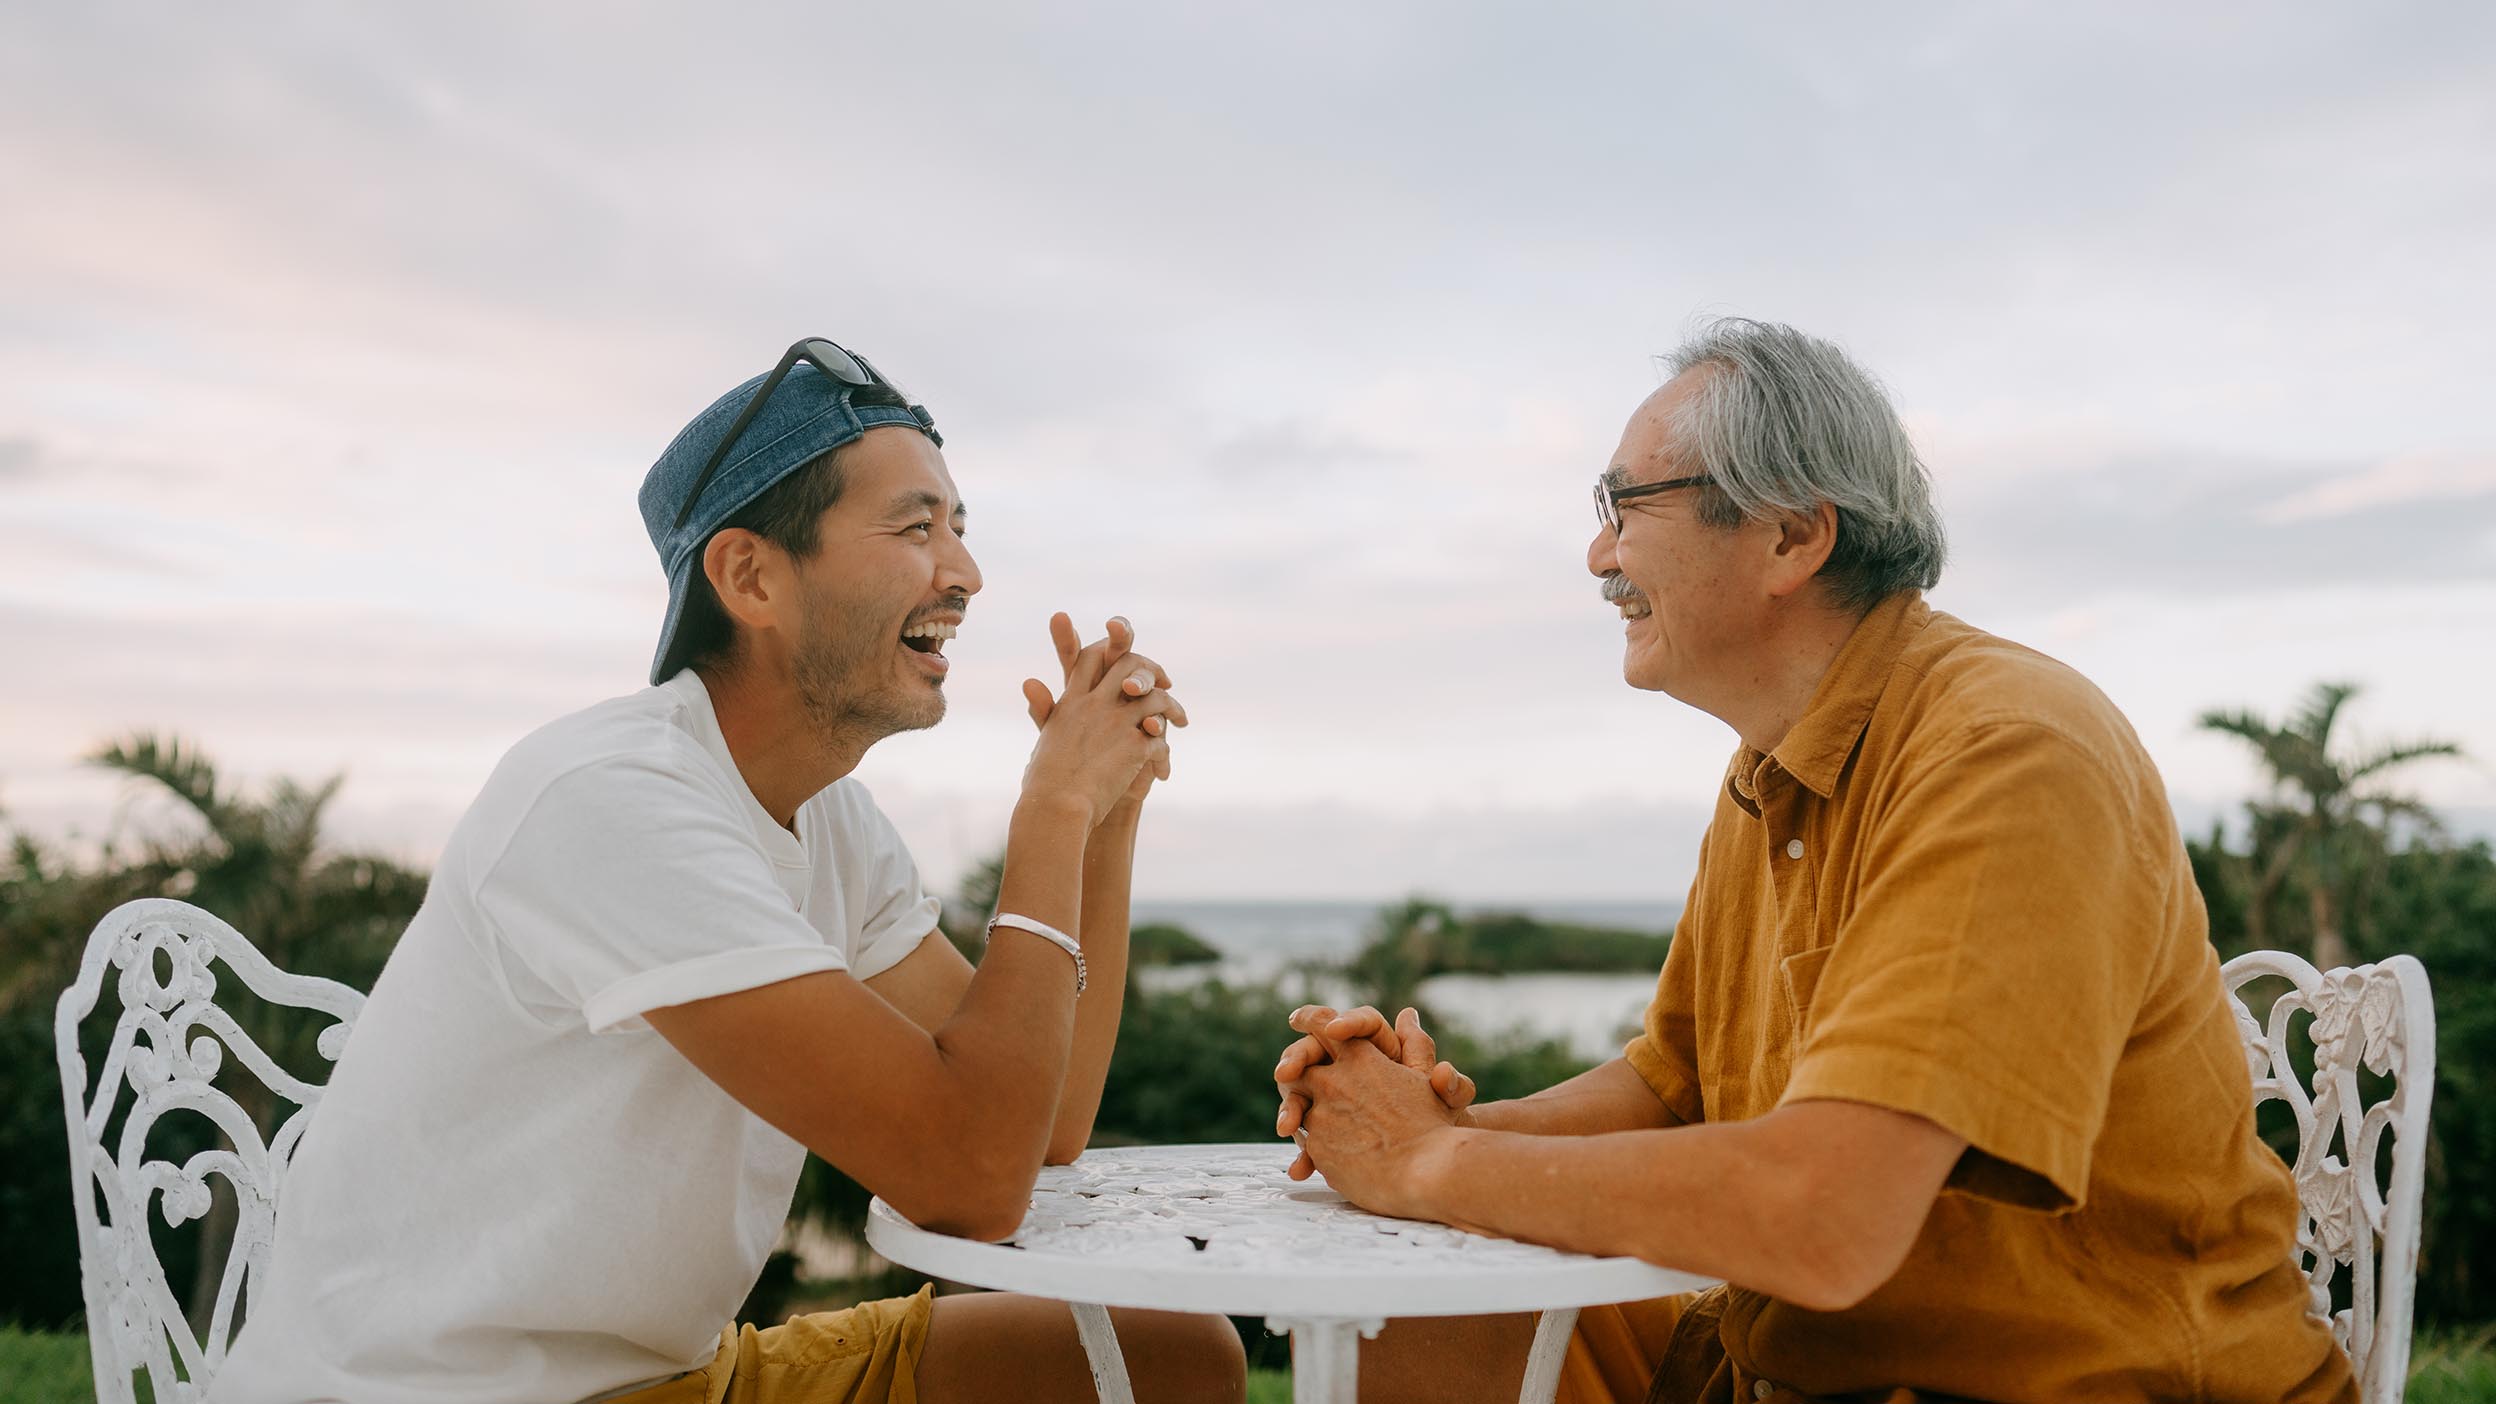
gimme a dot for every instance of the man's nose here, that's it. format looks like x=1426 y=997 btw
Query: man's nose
x=956 y=571
x=1602 y=554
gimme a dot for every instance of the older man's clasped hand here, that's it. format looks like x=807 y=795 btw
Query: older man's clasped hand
x=1363 y=1097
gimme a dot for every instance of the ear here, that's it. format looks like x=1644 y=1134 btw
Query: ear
x=748 y=574
x=1804 y=541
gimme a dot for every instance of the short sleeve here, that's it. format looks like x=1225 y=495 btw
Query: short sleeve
x=1665 y=1054
x=1993 y=966
x=631 y=886
x=900 y=911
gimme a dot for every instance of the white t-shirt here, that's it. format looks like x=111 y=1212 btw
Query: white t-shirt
x=514 y=1189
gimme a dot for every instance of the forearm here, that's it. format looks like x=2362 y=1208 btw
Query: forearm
x=1816 y=1203
x=1701 y=1199
x=1008 y=1043
x=1108 y=882
x=1609 y=1097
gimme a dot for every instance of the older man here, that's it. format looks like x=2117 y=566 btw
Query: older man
x=1939 y=1075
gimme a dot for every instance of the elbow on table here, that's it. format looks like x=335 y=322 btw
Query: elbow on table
x=971 y=1188
x=988 y=1213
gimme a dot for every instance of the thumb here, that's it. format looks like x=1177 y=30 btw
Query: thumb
x=1420 y=1050
x=1037 y=701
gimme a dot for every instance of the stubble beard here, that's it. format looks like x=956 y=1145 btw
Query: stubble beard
x=844 y=680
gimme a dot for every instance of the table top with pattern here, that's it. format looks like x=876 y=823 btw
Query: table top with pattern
x=1221 y=1228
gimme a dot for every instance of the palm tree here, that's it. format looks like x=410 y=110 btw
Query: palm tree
x=2329 y=819
x=261 y=865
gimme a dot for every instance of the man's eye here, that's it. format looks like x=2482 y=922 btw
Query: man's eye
x=920 y=526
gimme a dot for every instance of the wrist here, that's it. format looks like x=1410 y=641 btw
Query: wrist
x=1053 y=807
x=1430 y=1166
x=1118 y=826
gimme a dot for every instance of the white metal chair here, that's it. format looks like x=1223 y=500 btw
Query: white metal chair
x=2381 y=1018
x=168 y=1045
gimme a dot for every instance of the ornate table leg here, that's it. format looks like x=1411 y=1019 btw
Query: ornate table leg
x=1325 y=1356
x=1100 y=1347
x=1551 y=1346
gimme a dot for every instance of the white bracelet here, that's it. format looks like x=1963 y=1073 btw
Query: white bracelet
x=1046 y=933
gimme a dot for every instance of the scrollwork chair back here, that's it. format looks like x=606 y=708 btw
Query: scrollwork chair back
x=167 y=1047
x=2380 y=1018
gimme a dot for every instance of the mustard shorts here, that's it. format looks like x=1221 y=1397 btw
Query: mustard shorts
x=868 y=1354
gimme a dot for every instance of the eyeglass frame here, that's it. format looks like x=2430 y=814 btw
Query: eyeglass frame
x=1608 y=499
x=851 y=369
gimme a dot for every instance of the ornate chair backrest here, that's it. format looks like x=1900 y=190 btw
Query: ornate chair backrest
x=167 y=1047
x=2378 y=1017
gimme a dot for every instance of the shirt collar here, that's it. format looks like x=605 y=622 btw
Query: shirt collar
x=1815 y=750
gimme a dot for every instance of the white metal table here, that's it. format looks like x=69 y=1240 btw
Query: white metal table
x=1222 y=1229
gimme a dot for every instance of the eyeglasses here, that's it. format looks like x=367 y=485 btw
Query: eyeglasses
x=1608 y=499
x=823 y=355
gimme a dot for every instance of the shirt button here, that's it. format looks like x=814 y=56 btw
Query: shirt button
x=1761 y=1389
x=1793 y=849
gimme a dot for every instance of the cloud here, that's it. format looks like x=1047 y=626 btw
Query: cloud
x=2399 y=481
x=2211 y=527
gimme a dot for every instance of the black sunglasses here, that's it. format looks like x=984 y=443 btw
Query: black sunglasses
x=1608 y=499
x=826 y=356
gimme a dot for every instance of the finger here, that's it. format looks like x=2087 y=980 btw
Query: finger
x=1158 y=757
x=1037 y=700
x=1309 y=1018
x=1288 y=1116
x=1454 y=1088
x=1130 y=663
x=1299 y=1057
x=1177 y=714
x=1301 y=1167
x=1420 y=1050
x=1366 y=1022
x=1139 y=680
x=1062 y=634
x=1121 y=637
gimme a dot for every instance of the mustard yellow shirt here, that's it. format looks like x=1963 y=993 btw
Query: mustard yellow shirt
x=1955 y=889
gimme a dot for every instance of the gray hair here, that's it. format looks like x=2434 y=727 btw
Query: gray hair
x=1783 y=422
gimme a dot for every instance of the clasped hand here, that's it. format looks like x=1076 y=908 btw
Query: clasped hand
x=1106 y=737
x=1360 y=1095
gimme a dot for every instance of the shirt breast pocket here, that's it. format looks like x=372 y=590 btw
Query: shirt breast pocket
x=1799 y=974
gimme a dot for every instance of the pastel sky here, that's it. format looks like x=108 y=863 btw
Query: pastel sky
x=334 y=341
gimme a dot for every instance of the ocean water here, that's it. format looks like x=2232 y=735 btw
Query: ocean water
x=1277 y=940
x=1270 y=935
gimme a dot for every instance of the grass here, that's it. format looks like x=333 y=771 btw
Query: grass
x=45 y=1368
x=2453 y=1367
x=2446 y=1367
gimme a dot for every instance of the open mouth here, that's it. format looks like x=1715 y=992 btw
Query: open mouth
x=1636 y=609
x=927 y=638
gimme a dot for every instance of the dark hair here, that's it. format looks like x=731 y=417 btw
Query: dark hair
x=789 y=515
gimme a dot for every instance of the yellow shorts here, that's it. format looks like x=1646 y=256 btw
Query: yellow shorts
x=868 y=1354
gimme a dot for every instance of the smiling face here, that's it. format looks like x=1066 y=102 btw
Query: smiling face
x=1693 y=597
x=884 y=591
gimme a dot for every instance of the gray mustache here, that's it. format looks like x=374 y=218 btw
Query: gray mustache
x=1617 y=590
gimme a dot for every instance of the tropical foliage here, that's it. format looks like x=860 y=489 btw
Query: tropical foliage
x=2324 y=836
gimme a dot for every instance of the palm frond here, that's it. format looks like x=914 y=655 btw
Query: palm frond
x=2322 y=707
x=2401 y=753
x=176 y=765
x=2292 y=759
